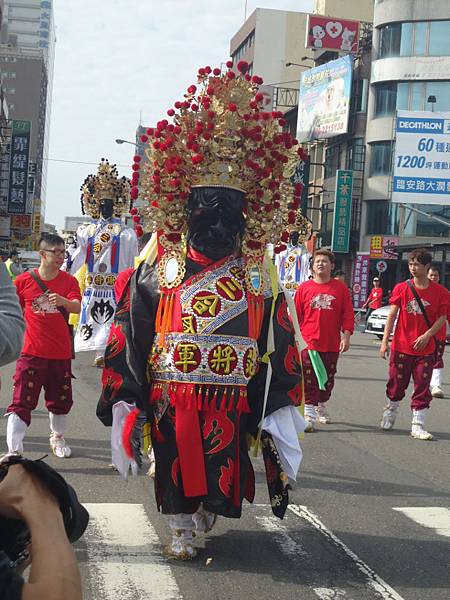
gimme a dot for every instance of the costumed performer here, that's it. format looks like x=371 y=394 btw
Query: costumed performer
x=105 y=248
x=202 y=343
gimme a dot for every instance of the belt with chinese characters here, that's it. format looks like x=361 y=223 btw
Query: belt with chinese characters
x=101 y=279
x=205 y=359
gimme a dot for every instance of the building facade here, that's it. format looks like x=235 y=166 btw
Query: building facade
x=410 y=71
x=26 y=63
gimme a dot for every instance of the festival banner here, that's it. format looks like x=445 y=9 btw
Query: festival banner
x=360 y=280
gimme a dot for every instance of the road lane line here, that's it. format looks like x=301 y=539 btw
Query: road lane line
x=294 y=550
x=433 y=517
x=124 y=555
x=373 y=580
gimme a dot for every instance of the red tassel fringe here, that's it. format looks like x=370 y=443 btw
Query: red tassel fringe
x=127 y=431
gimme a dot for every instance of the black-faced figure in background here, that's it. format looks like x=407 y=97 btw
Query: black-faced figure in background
x=106 y=208
x=215 y=220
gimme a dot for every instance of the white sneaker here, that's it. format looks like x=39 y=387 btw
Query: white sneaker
x=310 y=424
x=436 y=392
x=388 y=418
x=419 y=433
x=59 y=446
x=322 y=414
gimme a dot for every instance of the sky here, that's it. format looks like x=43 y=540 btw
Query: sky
x=117 y=61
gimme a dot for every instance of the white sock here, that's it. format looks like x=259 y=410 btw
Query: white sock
x=419 y=417
x=15 y=432
x=393 y=406
x=181 y=521
x=310 y=411
x=57 y=423
x=436 y=378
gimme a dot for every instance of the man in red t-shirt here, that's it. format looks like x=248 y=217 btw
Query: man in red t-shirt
x=324 y=310
x=45 y=294
x=436 y=378
x=413 y=345
x=375 y=298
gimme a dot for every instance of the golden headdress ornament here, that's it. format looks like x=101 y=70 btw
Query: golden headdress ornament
x=105 y=184
x=220 y=136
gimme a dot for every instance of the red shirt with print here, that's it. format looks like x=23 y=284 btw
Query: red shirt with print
x=441 y=335
x=324 y=310
x=46 y=332
x=411 y=322
x=375 y=298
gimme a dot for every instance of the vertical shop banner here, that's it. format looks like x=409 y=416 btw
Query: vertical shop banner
x=422 y=158
x=301 y=175
x=360 y=282
x=18 y=167
x=342 y=211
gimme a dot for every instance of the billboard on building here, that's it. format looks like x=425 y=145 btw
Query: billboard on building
x=332 y=34
x=324 y=100
x=422 y=158
x=18 y=167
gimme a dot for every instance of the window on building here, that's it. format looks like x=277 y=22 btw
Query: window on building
x=426 y=227
x=361 y=95
x=382 y=217
x=390 y=36
x=385 y=99
x=414 y=95
x=381 y=158
x=332 y=160
x=355 y=155
x=421 y=38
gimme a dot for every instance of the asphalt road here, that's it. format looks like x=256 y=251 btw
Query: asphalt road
x=369 y=515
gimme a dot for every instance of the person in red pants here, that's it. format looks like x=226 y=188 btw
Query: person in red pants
x=438 y=368
x=325 y=311
x=414 y=344
x=47 y=296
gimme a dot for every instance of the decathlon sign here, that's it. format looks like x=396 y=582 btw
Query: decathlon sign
x=422 y=158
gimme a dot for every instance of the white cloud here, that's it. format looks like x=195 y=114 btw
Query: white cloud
x=117 y=59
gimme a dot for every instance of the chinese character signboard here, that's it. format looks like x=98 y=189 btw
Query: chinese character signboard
x=422 y=158
x=324 y=100
x=360 y=282
x=342 y=211
x=376 y=246
x=18 y=167
x=383 y=247
x=301 y=175
x=20 y=221
x=332 y=34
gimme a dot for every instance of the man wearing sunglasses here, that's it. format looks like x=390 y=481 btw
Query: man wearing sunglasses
x=47 y=296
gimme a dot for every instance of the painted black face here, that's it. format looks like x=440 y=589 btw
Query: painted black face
x=106 y=208
x=215 y=220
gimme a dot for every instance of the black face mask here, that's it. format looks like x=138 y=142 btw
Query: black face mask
x=215 y=220
x=107 y=208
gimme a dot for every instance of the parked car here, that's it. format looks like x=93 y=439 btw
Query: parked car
x=377 y=321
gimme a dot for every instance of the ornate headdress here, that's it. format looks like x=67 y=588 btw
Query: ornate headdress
x=220 y=136
x=105 y=184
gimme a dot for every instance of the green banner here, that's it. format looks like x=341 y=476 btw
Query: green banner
x=342 y=211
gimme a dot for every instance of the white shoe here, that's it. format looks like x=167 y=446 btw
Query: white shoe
x=419 y=433
x=59 y=446
x=388 y=418
x=181 y=547
x=322 y=414
x=310 y=424
x=436 y=392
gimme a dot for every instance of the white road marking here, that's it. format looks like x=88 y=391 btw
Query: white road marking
x=373 y=580
x=434 y=517
x=293 y=550
x=124 y=555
